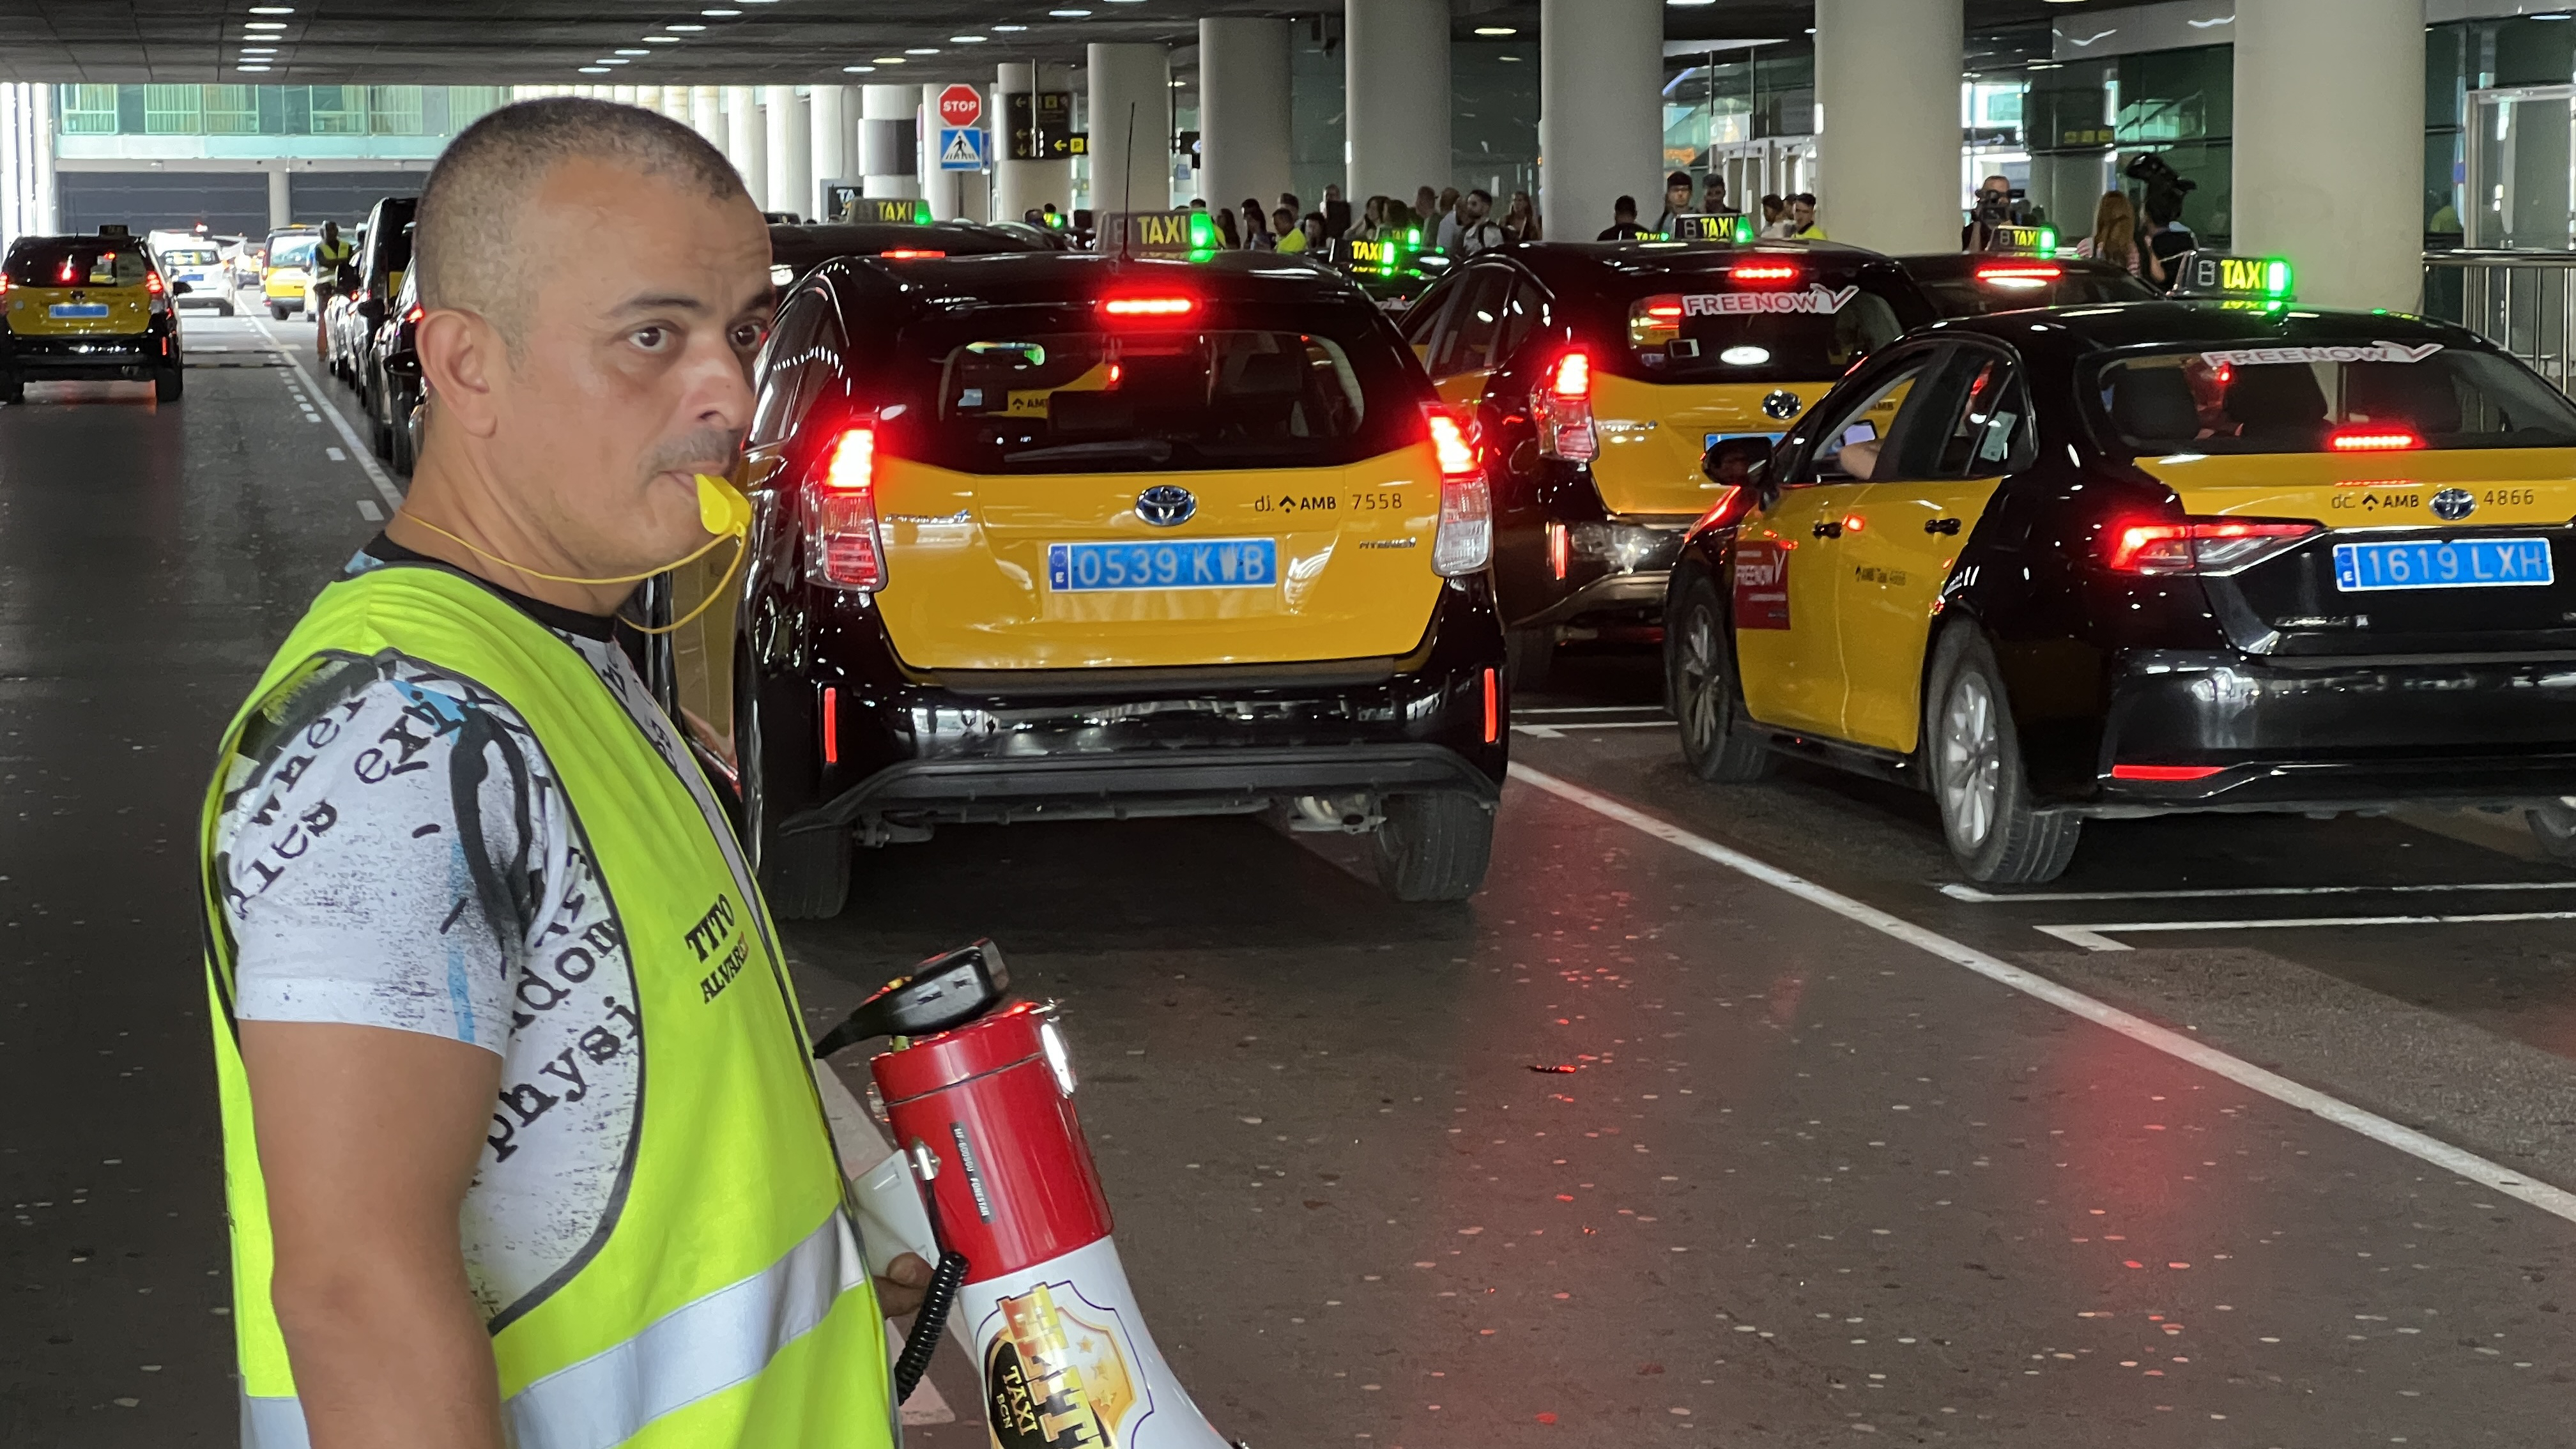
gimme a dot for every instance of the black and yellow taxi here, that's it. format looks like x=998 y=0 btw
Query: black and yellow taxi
x=2231 y=554
x=1601 y=373
x=1972 y=284
x=885 y=227
x=1047 y=535
x=286 y=269
x=87 y=307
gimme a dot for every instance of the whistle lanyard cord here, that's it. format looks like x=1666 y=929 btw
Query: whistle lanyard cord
x=741 y=545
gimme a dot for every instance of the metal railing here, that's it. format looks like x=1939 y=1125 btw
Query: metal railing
x=2522 y=301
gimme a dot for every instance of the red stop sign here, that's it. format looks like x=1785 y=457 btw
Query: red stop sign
x=960 y=106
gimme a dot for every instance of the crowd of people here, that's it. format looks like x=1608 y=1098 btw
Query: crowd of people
x=1460 y=223
x=1789 y=218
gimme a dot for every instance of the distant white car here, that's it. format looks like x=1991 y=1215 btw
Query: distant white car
x=199 y=263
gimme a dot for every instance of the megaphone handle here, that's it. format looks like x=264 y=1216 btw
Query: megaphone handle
x=927 y=1324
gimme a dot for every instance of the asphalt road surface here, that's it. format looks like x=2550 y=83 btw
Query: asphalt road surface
x=1723 y=1116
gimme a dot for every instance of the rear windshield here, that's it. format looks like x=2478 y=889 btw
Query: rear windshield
x=2329 y=398
x=190 y=256
x=77 y=264
x=1966 y=297
x=1050 y=399
x=291 y=254
x=1716 y=328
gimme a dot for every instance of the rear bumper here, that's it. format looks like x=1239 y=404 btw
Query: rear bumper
x=913 y=747
x=132 y=355
x=2338 y=736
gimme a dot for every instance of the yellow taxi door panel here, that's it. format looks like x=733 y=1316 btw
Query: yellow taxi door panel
x=1945 y=454
x=1895 y=561
x=1654 y=434
x=973 y=582
x=1788 y=647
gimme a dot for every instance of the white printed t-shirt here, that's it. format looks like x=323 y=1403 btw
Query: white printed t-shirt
x=398 y=855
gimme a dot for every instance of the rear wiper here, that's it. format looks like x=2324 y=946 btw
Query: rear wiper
x=1151 y=450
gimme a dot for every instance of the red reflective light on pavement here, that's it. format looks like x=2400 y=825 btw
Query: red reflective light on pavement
x=1764 y=272
x=2374 y=440
x=1149 y=306
x=2166 y=773
x=1572 y=375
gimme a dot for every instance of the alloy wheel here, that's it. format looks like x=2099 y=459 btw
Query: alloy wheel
x=1701 y=681
x=1968 y=761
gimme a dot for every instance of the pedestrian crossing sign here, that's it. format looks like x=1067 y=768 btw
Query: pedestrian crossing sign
x=961 y=148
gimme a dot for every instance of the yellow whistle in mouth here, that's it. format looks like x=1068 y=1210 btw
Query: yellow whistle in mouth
x=722 y=509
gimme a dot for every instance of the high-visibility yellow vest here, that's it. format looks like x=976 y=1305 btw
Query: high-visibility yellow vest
x=726 y=1302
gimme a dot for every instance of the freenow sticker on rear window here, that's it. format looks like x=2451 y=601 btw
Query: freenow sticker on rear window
x=1817 y=299
x=2372 y=352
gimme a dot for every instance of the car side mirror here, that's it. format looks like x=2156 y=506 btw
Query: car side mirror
x=1737 y=462
x=180 y=289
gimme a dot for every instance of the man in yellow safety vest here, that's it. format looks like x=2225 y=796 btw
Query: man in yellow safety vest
x=463 y=882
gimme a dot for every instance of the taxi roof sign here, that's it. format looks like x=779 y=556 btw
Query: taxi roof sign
x=1187 y=232
x=2022 y=241
x=2243 y=279
x=1726 y=226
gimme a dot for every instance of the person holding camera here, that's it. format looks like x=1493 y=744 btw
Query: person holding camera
x=1995 y=207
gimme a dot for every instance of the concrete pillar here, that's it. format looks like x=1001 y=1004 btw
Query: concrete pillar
x=649 y=97
x=745 y=142
x=281 y=198
x=706 y=116
x=940 y=188
x=1600 y=82
x=887 y=165
x=1024 y=186
x=2330 y=146
x=1131 y=128
x=1395 y=76
x=828 y=114
x=1887 y=105
x=1244 y=145
x=622 y=95
x=17 y=166
x=791 y=163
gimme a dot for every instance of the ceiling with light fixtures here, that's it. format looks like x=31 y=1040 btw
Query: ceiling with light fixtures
x=492 y=42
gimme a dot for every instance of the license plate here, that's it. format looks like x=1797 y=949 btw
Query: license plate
x=1182 y=563
x=2463 y=563
x=73 y=310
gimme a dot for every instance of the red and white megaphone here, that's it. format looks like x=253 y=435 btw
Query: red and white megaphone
x=980 y=1102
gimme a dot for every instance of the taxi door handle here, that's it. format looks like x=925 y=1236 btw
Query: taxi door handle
x=1948 y=526
x=1829 y=528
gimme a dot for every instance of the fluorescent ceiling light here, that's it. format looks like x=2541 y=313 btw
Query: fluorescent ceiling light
x=259 y=50
x=594 y=70
x=890 y=60
x=609 y=60
x=634 y=52
x=721 y=14
x=661 y=40
x=692 y=29
x=966 y=40
x=857 y=69
x=1070 y=14
x=1688 y=3
x=251 y=69
x=272 y=10
x=921 y=50
x=1011 y=27
x=265 y=25
x=1496 y=30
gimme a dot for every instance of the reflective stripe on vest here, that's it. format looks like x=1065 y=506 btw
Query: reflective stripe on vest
x=708 y=1311
x=699 y=1349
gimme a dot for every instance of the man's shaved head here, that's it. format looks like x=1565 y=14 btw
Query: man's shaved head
x=466 y=243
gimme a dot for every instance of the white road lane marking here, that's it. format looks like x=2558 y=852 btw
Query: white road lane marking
x=2098 y=937
x=384 y=486
x=336 y=455
x=368 y=510
x=1557 y=730
x=1976 y=897
x=2245 y=1074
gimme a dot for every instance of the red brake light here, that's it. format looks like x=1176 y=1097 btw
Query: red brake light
x=69 y=273
x=1764 y=272
x=2165 y=772
x=1464 y=540
x=2374 y=440
x=847 y=551
x=906 y=254
x=1149 y=306
x=2020 y=271
x=2202 y=545
x=1664 y=311
x=152 y=283
x=416 y=313
x=1572 y=376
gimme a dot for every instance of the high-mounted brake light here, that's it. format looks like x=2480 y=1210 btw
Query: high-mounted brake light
x=909 y=254
x=2374 y=440
x=1664 y=311
x=846 y=549
x=1561 y=406
x=2202 y=545
x=1763 y=272
x=1464 y=541
x=2165 y=773
x=1149 y=306
x=2020 y=272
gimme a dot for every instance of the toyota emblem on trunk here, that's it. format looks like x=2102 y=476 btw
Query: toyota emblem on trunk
x=1782 y=403
x=2453 y=504
x=1166 y=506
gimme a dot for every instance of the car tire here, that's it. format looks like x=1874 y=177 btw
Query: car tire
x=277 y=312
x=13 y=388
x=1434 y=847
x=1529 y=657
x=380 y=434
x=401 y=455
x=1973 y=758
x=804 y=876
x=1700 y=683
x=2554 y=826
x=169 y=383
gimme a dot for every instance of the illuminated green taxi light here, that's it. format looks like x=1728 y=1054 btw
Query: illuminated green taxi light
x=1413 y=237
x=1202 y=232
x=2276 y=278
x=2047 y=241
